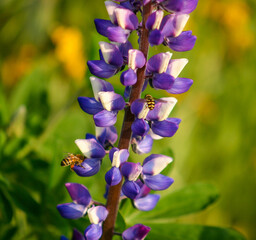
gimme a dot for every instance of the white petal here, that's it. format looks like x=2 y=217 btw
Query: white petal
x=176 y=66
x=111 y=6
x=181 y=20
x=107 y=99
x=165 y=61
x=159 y=17
x=166 y=107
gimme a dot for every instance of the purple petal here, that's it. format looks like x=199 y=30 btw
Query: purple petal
x=139 y=108
x=143 y=145
x=102 y=26
x=144 y=189
x=117 y=34
x=97 y=214
x=184 y=6
x=63 y=238
x=162 y=81
x=126 y=18
x=136 y=59
x=105 y=118
x=127 y=91
x=131 y=170
x=155 y=37
x=101 y=69
x=130 y=189
x=79 y=193
x=111 y=54
x=158 y=182
x=154 y=20
x=111 y=101
x=136 y=232
x=184 y=42
x=128 y=77
x=88 y=168
x=124 y=49
x=180 y=85
x=106 y=136
x=77 y=235
x=155 y=163
x=158 y=63
x=99 y=85
x=90 y=148
x=166 y=128
x=90 y=105
x=147 y=203
x=71 y=210
x=162 y=109
x=93 y=232
x=140 y=127
x=113 y=176
x=90 y=136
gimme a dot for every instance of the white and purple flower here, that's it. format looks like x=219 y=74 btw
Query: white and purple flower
x=81 y=201
x=105 y=104
x=122 y=22
x=117 y=158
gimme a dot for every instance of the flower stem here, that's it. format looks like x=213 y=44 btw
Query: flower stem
x=124 y=142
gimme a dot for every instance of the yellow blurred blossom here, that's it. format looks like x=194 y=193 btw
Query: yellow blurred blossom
x=14 y=67
x=69 y=51
x=235 y=17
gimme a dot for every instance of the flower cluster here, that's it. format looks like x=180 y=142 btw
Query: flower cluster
x=150 y=116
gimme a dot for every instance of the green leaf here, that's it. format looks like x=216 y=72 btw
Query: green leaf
x=190 y=199
x=8 y=232
x=24 y=200
x=176 y=231
x=5 y=208
x=120 y=223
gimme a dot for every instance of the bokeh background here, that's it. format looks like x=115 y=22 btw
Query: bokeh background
x=44 y=46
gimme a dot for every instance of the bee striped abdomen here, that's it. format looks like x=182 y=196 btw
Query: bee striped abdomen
x=150 y=101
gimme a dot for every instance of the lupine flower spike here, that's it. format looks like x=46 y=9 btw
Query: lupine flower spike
x=146 y=119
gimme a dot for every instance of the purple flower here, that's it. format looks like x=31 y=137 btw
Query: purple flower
x=156 y=119
x=123 y=21
x=106 y=104
x=107 y=136
x=183 y=6
x=93 y=152
x=113 y=58
x=117 y=157
x=96 y=216
x=136 y=60
x=162 y=72
x=136 y=232
x=168 y=30
x=81 y=201
x=141 y=145
x=152 y=166
x=145 y=201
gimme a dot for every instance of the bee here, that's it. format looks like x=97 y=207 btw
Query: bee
x=72 y=160
x=150 y=101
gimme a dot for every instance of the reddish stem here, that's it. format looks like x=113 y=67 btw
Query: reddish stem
x=124 y=142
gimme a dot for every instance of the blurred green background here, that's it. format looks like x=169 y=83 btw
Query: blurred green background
x=44 y=46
